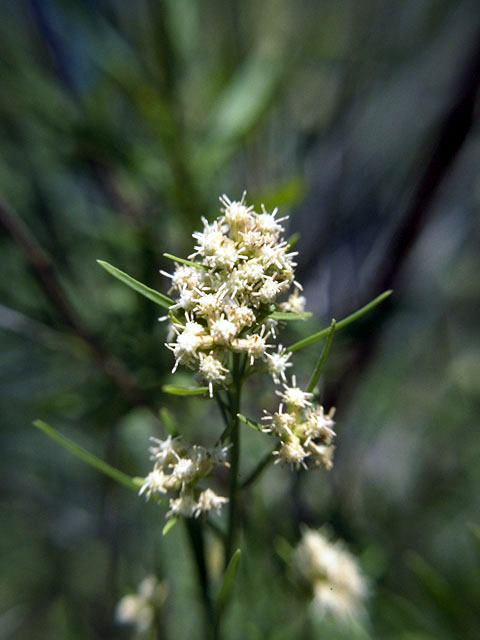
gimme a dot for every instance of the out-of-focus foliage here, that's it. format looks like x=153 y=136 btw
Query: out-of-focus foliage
x=120 y=125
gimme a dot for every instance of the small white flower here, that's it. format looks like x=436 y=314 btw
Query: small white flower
x=277 y=363
x=319 y=425
x=267 y=224
x=136 y=611
x=219 y=455
x=254 y=346
x=238 y=216
x=294 y=397
x=282 y=424
x=270 y=290
x=208 y=305
x=223 y=331
x=209 y=501
x=241 y=316
x=294 y=304
x=165 y=451
x=185 y=505
x=185 y=470
x=153 y=484
x=184 y=276
x=322 y=455
x=212 y=370
x=291 y=452
x=189 y=341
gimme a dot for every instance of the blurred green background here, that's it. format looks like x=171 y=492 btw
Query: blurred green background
x=120 y=125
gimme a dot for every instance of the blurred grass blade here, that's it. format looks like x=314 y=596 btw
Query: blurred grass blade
x=474 y=530
x=323 y=358
x=242 y=105
x=170 y=523
x=284 y=549
x=251 y=423
x=174 y=390
x=151 y=294
x=168 y=421
x=343 y=323
x=190 y=263
x=438 y=589
x=288 y=315
x=89 y=458
x=228 y=580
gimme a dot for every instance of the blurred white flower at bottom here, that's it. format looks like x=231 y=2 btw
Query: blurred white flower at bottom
x=139 y=609
x=331 y=575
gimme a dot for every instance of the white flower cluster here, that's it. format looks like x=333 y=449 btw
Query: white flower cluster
x=306 y=432
x=222 y=302
x=331 y=575
x=139 y=609
x=178 y=469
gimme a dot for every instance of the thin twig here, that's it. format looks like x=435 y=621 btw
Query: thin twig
x=264 y=463
x=44 y=272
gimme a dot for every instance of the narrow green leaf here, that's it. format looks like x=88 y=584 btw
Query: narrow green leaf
x=251 y=423
x=343 y=323
x=190 y=263
x=288 y=315
x=151 y=294
x=174 y=390
x=228 y=580
x=89 y=458
x=170 y=523
x=323 y=358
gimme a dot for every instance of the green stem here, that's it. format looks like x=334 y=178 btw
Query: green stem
x=323 y=357
x=89 y=458
x=234 y=433
x=265 y=462
x=343 y=323
x=197 y=545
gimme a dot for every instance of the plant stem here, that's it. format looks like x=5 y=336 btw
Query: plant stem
x=234 y=433
x=195 y=537
x=265 y=462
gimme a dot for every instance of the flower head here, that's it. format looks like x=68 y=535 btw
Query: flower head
x=177 y=470
x=139 y=609
x=244 y=266
x=331 y=573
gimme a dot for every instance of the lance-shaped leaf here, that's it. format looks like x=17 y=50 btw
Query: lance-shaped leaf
x=190 y=263
x=323 y=358
x=89 y=458
x=139 y=287
x=342 y=323
x=228 y=580
x=175 y=390
x=251 y=423
x=289 y=315
x=170 y=523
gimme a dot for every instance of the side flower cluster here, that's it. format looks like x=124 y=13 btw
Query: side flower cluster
x=306 y=432
x=331 y=575
x=223 y=299
x=138 y=609
x=177 y=470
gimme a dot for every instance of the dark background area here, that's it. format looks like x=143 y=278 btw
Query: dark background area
x=121 y=123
